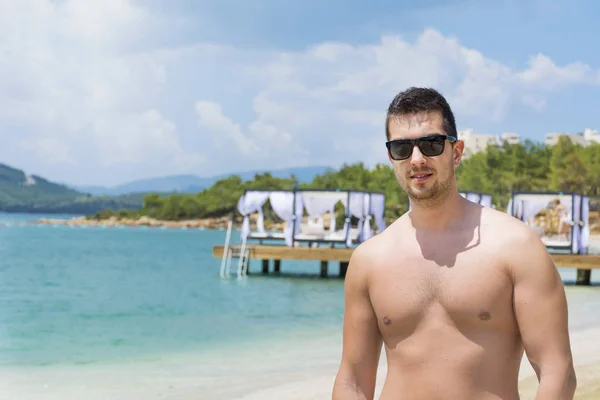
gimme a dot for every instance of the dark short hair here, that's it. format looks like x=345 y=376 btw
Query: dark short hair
x=414 y=100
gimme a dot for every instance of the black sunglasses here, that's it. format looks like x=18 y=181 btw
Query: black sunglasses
x=430 y=146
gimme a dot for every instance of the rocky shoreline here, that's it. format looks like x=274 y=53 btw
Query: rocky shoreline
x=205 y=223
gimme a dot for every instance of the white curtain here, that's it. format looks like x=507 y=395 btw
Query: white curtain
x=585 y=219
x=378 y=210
x=355 y=208
x=260 y=223
x=509 y=209
x=373 y=207
x=366 y=232
x=474 y=197
x=486 y=200
x=332 y=221
x=283 y=205
x=479 y=198
x=575 y=224
x=319 y=203
x=356 y=204
x=247 y=204
x=518 y=211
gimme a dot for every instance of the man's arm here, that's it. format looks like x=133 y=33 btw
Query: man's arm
x=361 y=339
x=541 y=311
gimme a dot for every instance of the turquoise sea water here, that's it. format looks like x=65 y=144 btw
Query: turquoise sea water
x=102 y=295
x=92 y=295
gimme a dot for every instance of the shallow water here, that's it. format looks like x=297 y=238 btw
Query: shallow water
x=89 y=295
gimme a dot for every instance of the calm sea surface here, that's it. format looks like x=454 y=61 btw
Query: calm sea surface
x=95 y=295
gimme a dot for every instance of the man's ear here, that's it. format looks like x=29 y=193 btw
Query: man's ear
x=457 y=152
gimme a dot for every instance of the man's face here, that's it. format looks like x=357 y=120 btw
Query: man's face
x=424 y=179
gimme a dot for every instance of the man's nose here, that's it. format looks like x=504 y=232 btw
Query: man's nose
x=417 y=158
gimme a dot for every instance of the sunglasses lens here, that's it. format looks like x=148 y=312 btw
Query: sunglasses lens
x=431 y=147
x=401 y=150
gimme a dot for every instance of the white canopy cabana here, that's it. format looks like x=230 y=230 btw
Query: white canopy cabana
x=287 y=206
x=571 y=210
x=290 y=205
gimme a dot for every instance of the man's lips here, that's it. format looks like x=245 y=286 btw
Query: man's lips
x=421 y=176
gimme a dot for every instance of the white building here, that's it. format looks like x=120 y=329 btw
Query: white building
x=583 y=138
x=591 y=135
x=476 y=142
x=510 y=137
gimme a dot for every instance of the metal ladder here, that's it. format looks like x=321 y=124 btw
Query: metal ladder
x=230 y=252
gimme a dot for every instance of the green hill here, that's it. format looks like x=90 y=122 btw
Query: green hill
x=20 y=192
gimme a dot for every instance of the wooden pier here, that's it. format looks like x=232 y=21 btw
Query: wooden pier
x=583 y=263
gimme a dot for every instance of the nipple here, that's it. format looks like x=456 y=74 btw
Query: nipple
x=485 y=316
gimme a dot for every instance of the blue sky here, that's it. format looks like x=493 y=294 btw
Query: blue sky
x=103 y=92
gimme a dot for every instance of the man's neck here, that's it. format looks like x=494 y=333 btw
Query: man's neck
x=438 y=216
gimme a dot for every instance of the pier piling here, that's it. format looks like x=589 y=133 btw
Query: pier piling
x=584 y=277
x=324 y=267
x=277 y=266
x=343 y=268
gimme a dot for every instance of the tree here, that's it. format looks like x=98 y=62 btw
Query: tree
x=567 y=170
x=497 y=171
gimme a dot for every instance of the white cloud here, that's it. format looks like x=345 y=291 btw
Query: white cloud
x=134 y=138
x=328 y=102
x=545 y=74
x=48 y=148
x=211 y=118
x=78 y=92
x=81 y=92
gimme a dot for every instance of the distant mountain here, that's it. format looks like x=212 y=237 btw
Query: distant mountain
x=20 y=192
x=193 y=183
x=173 y=183
x=17 y=188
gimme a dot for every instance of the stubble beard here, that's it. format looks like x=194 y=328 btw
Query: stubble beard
x=431 y=196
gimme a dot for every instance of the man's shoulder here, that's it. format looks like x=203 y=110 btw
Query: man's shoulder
x=374 y=251
x=369 y=250
x=516 y=241
x=505 y=229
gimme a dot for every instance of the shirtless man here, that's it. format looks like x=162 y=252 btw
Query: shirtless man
x=455 y=292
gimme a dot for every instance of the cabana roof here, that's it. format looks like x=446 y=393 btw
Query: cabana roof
x=289 y=205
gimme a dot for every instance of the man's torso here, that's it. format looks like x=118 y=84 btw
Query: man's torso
x=444 y=308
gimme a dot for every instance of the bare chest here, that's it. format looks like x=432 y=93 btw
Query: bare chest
x=471 y=291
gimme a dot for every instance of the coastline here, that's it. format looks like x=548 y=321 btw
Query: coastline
x=143 y=221
x=219 y=223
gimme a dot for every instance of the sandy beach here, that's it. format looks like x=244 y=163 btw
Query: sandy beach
x=246 y=378
x=586 y=353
